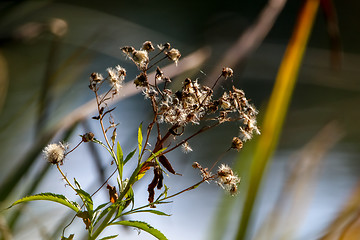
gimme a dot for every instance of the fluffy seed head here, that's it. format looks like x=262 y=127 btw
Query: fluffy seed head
x=55 y=153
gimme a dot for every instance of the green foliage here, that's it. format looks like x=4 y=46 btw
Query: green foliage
x=143 y=226
x=49 y=197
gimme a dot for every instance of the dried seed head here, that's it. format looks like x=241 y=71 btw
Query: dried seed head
x=159 y=74
x=227 y=72
x=173 y=55
x=141 y=57
x=88 y=137
x=55 y=153
x=196 y=165
x=127 y=49
x=96 y=77
x=236 y=143
x=227 y=179
x=186 y=147
x=163 y=46
x=141 y=80
x=148 y=46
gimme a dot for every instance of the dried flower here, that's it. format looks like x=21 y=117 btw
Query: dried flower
x=141 y=80
x=148 y=46
x=116 y=77
x=141 y=58
x=164 y=46
x=236 y=143
x=55 y=153
x=127 y=49
x=227 y=179
x=87 y=137
x=96 y=77
x=186 y=147
x=173 y=55
x=227 y=72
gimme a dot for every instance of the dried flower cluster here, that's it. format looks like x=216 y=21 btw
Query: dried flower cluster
x=224 y=176
x=192 y=104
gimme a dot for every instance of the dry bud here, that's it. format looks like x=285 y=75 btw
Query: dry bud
x=96 y=77
x=227 y=72
x=127 y=49
x=164 y=46
x=88 y=137
x=148 y=46
x=141 y=80
x=236 y=143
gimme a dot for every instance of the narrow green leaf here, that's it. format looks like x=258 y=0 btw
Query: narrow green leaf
x=129 y=156
x=101 y=206
x=143 y=226
x=49 y=197
x=140 y=139
x=104 y=212
x=109 y=237
x=86 y=198
x=150 y=211
x=120 y=159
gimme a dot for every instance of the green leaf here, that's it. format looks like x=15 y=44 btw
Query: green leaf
x=101 y=206
x=120 y=159
x=143 y=226
x=86 y=198
x=140 y=139
x=150 y=211
x=129 y=156
x=104 y=212
x=109 y=237
x=49 y=197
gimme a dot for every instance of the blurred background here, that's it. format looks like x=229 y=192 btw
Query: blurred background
x=309 y=184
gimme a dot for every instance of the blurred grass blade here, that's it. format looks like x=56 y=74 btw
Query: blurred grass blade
x=277 y=108
x=346 y=226
x=293 y=202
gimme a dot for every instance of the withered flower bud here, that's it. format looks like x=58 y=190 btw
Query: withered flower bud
x=141 y=80
x=148 y=46
x=96 y=77
x=164 y=46
x=187 y=82
x=196 y=165
x=236 y=143
x=127 y=49
x=227 y=72
x=88 y=137
x=112 y=193
x=159 y=74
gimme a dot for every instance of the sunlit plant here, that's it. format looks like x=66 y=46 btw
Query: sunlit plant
x=176 y=109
